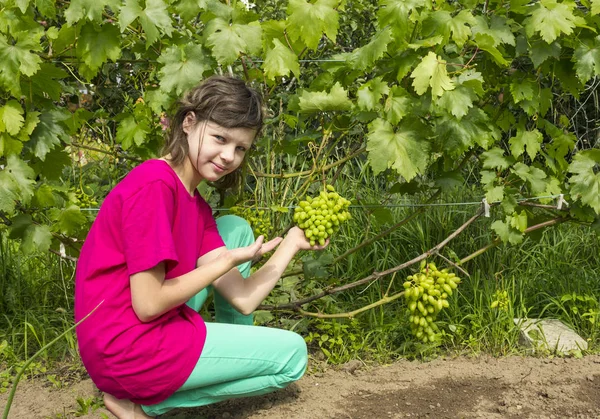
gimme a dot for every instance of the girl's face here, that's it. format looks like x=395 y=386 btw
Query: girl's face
x=216 y=151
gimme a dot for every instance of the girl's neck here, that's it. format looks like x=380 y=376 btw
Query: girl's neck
x=186 y=173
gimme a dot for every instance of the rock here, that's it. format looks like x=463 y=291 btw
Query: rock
x=351 y=366
x=549 y=335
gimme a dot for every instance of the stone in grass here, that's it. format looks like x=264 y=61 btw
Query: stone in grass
x=549 y=335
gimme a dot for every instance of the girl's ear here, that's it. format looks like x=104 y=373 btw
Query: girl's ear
x=189 y=122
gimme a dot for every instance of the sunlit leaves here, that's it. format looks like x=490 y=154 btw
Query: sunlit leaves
x=585 y=181
x=551 y=19
x=431 y=72
x=228 y=40
x=16 y=180
x=154 y=18
x=132 y=132
x=11 y=117
x=34 y=237
x=531 y=140
x=280 y=61
x=364 y=57
x=334 y=100
x=183 y=67
x=371 y=93
x=88 y=9
x=48 y=133
x=506 y=232
x=402 y=149
x=532 y=175
x=495 y=159
x=398 y=15
x=308 y=21
x=457 y=26
x=16 y=58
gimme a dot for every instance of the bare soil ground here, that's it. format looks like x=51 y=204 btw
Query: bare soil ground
x=462 y=387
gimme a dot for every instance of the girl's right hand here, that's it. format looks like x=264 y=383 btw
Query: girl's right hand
x=253 y=252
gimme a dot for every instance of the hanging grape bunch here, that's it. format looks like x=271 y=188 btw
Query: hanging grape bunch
x=258 y=219
x=426 y=294
x=321 y=216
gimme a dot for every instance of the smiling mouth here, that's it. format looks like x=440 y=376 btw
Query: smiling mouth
x=218 y=167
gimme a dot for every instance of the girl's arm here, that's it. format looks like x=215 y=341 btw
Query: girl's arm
x=247 y=294
x=152 y=296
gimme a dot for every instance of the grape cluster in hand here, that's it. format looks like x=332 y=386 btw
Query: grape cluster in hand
x=426 y=294
x=321 y=216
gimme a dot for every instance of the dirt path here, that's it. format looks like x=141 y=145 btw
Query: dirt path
x=484 y=387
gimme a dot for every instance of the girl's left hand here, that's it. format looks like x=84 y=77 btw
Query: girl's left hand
x=266 y=248
x=302 y=242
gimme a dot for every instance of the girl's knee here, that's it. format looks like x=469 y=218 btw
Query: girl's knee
x=299 y=359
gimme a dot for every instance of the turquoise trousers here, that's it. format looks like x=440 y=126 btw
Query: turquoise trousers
x=238 y=359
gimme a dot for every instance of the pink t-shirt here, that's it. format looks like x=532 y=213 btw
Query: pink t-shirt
x=147 y=218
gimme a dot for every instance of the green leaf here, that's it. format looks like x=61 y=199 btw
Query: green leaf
x=88 y=9
x=551 y=19
x=56 y=161
x=16 y=58
x=153 y=18
x=431 y=71
x=227 y=41
x=334 y=100
x=11 y=117
x=499 y=29
x=131 y=131
x=530 y=139
x=31 y=121
x=308 y=21
x=9 y=145
x=397 y=105
x=457 y=101
x=519 y=221
x=398 y=15
x=595 y=7
x=189 y=9
x=534 y=176
x=540 y=51
x=587 y=58
x=523 y=89
x=365 y=56
x=97 y=45
x=495 y=194
x=37 y=238
x=370 y=94
x=280 y=60
x=19 y=177
x=44 y=81
x=68 y=220
x=44 y=197
x=48 y=133
x=455 y=136
x=506 y=232
x=183 y=67
x=8 y=193
x=47 y=8
x=458 y=26
x=403 y=149
x=487 y=43
x=585 y=182
x=495 y=159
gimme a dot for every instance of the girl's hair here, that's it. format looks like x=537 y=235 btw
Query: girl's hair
x=226 y=101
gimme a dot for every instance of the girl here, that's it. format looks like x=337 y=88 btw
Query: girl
x=152 y=255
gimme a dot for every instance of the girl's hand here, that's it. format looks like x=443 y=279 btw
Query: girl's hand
x=253 y=252
x=297 y=235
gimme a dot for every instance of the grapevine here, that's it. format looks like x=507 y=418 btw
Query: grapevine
x=427 y=294
x=321 y=216
x=259 y=221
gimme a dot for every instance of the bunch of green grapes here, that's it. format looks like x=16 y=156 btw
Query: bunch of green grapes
x=258 y=219
x=320 y=217
x=85 y=200
x=426 y=294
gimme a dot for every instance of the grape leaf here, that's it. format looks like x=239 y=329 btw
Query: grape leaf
x=431 y=71
x=540 y=51
x=455 y=137
x=370 y=94
x=280 y=60
x=131 y=131
x=506 y=232
x=499 y=29
x=16 y=58
x=48 y=133
x=189 y=9
x=308 y=21
x=397 y=105
x=551 y=18
x=88 y=9
x=154 y=17
x=399 y=14
x=56 y=161
x=365 y=56
x=585 y=182
x=335 y=100
x=495 y=194
x=457 y=101
x=587 y=58
x=495 y=159
x=45 y=82
x=403 y=149
x=47 y=8
x=183 y=67
x=96 y=45
x=519 y=221
x=31 y=121
x=227 y=41
x=534 y=176
x=37 y=238
x=11 y=117
x=44 y=197
x=68 y=220
x=487 y=43
x=458 y=26
x=530 y=139
x=8 y=192
x=595 y=7
x=523 y=89
x=20 y=176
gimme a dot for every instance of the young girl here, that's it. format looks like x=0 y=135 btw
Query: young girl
x=152 y=255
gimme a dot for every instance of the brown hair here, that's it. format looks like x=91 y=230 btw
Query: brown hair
x=224 y=100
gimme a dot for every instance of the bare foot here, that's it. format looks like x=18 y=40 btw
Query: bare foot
x=123 y=408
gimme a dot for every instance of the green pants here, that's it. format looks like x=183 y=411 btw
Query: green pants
x=238 y=359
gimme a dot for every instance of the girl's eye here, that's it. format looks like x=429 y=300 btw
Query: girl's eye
x=242 y=149
x=219 y=138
